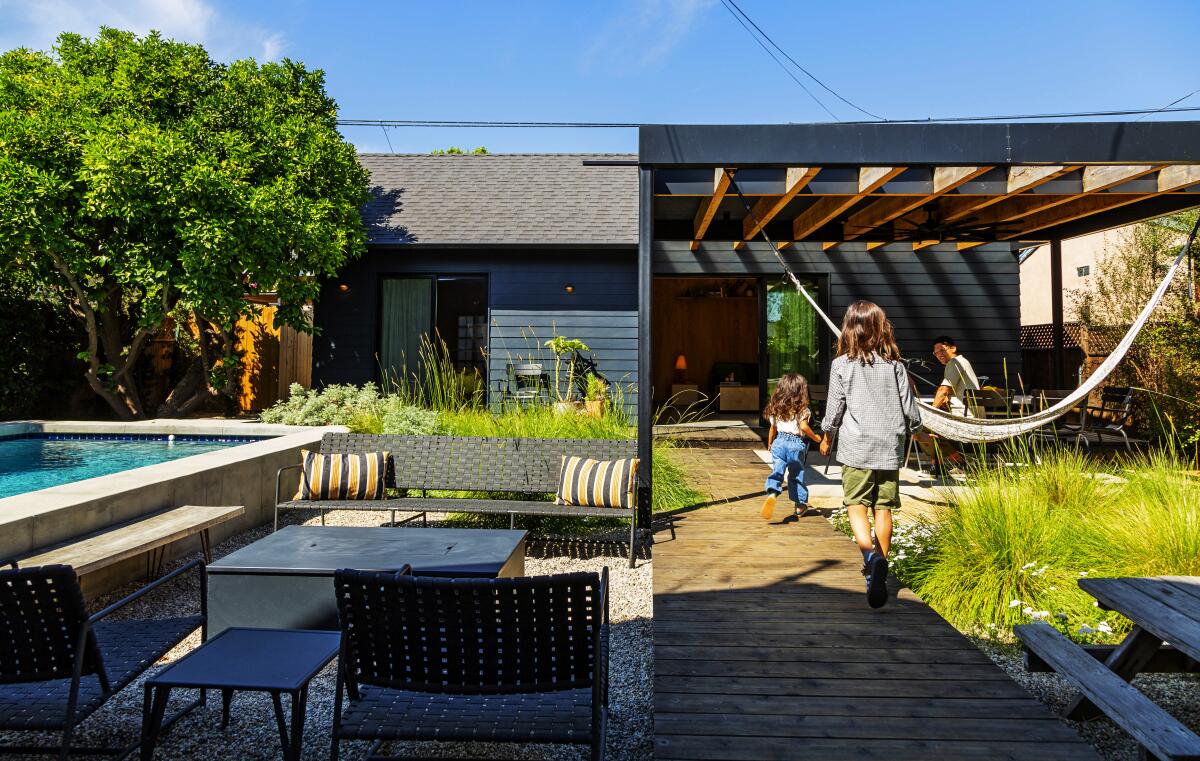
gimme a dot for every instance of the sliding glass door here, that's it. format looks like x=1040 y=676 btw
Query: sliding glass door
x=793 y=343
x=443 y=310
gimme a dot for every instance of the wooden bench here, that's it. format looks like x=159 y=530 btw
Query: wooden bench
x=1153 y=728
x=517 y=468
x=148 y=535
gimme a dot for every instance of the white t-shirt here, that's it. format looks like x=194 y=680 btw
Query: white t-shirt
x=792 y=426
x=960 y=377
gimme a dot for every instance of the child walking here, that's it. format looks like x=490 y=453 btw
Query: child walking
x=788 y=441
x=871 y=410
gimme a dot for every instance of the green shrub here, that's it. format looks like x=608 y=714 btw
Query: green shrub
x=332 y=405
x=406 y=420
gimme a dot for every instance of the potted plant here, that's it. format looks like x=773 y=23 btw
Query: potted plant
x=597 y=395
x=562 y=346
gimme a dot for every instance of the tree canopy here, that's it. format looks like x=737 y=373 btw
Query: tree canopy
x=142 y=181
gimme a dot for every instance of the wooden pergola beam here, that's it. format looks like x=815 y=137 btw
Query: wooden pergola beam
x=879 y=213
x=1170 y=178
x=708 y=207
x=768 y=208
x=1020 y=179
x=828 y=208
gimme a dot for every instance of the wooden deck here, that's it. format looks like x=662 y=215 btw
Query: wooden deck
x=765 y=648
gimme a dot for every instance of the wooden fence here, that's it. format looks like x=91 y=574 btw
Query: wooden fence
x=273 y=358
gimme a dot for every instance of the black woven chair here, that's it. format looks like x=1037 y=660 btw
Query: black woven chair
x=520 y=660
x=58 y=665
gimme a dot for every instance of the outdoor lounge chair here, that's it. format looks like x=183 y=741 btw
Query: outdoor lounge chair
x=1116 y=406
x=59 y=665
x=520 y=660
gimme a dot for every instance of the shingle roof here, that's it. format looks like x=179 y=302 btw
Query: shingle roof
x=531 y=198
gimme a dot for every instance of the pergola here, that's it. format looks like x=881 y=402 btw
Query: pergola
x=893 y=188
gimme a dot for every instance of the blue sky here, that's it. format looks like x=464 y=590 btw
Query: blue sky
x=682 y=61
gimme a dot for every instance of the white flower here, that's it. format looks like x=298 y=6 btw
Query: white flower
x=1039 y=615
x=1104 y=627
x=1027 y=566
x=1083 y=573
x=1027 y=610
x=1085 y=629
x=1053 y=589
x=1015 y=604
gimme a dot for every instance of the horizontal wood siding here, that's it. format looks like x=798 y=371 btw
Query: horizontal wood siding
x=972 y=295
x=519 y=335
x=532 y=284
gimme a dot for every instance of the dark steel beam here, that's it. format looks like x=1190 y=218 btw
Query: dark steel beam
x=1057 y=355
x=934 y=144
x=645 y=384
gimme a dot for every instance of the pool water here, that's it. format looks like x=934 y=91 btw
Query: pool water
x=39 y=462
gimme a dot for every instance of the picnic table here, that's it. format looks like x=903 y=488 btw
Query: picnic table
x=1163 y=609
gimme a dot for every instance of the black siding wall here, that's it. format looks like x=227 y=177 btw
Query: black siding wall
x=525 y=289
x=972 y=295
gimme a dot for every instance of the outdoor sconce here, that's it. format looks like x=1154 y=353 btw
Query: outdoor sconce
x=569 y=288
x=343 y=288
x=680 y=368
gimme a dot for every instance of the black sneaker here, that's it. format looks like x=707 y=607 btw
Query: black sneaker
x=877 y=570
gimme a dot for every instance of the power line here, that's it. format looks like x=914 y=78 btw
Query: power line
x=809 y=74
x=782 y=65
x=1172 y=103
x=633 y=125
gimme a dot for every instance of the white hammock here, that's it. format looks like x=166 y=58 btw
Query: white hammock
x=984 y=430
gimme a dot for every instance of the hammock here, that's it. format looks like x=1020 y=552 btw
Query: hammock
x=984 y=430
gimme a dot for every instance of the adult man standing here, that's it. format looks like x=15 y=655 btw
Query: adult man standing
x=959 y=376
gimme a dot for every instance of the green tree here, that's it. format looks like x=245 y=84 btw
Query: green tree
x=142 y=180
x=454 y=150
x=1165 y=358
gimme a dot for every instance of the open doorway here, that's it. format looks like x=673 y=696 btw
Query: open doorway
x=706 y=345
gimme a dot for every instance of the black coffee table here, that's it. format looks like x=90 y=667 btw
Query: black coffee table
x=285 y=580
x=259 y=660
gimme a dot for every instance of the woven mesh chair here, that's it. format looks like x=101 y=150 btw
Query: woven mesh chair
x=58 y=665
x=496 y=660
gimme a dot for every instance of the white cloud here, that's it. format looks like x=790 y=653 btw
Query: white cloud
x=645 y=33
x=37 y=23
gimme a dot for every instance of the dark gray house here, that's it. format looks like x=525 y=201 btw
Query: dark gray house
x=660 y=261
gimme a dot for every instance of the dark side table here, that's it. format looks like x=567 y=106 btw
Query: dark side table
x=260 y=660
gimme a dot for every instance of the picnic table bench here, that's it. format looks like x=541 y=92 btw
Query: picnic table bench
x=519 y=474
x=149 y=535
x=1162 y=609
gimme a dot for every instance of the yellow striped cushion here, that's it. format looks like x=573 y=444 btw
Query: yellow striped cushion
x=597 y=483
x=342 y=476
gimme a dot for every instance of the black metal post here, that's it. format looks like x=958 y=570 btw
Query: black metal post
x=645 y=428
x=1057 y=359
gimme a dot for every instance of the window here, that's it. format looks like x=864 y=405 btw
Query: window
x=1083 y=271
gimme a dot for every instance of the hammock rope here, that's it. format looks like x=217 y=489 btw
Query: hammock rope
x=989 y=430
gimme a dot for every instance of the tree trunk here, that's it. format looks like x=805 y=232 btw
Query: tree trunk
x=195 y=389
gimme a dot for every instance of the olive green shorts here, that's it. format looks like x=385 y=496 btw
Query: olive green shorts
x=879 y=489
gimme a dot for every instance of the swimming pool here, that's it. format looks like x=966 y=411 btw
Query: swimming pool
x=39 y=461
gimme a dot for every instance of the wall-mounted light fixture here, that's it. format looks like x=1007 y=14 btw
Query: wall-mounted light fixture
x=569 y=288
x=343 y=288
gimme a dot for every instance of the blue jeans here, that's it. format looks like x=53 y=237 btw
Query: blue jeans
x=788 y=454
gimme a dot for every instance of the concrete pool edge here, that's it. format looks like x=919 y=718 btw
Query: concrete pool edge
x=238 y=475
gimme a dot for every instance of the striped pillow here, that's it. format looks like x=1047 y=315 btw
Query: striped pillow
x=597 y=483
x=342 y=476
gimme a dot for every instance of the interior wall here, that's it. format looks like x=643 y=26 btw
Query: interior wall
x=690 y=316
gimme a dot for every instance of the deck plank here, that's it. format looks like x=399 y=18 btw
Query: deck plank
x=765 y=648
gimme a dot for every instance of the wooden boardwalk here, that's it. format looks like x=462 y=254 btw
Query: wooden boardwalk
x=765 y=648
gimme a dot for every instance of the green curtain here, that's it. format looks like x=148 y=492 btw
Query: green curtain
x=407 y=314
x=793 y=343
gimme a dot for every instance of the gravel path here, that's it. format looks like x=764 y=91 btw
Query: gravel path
x=252 y=733
x=1178 y=694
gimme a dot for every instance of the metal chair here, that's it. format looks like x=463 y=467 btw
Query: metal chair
x=525 y=383
x=1114 y=410
x=58 y=665
x=498 y=660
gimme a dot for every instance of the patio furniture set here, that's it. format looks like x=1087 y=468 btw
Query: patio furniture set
x=1162 y=609
x=437 y=633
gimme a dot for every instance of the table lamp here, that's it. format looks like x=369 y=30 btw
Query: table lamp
x=680 y=368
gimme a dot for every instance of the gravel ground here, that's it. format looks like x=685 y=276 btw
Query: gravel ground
x=1178 y=694
x=252 y=733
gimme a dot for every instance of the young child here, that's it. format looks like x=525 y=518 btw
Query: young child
x=871 y=410
x=788 y=441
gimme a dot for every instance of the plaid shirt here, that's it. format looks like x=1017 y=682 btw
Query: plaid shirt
x=874 y=410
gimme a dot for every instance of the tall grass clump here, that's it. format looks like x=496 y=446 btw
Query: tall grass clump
x=1012 y=547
